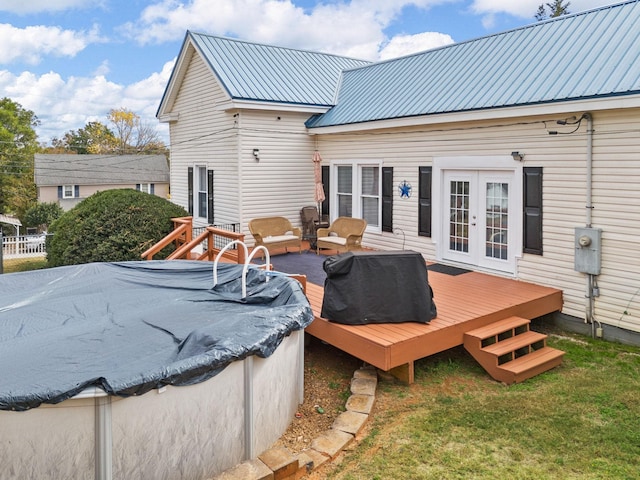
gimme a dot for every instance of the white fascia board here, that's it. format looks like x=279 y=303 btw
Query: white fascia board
x=557 y=108
x=281 y=107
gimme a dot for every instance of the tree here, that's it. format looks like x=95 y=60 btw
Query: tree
x=42 y=215
x=132 y=135
x=94 y=138
x=554 y=9
x=18 y=143
x=110 y=226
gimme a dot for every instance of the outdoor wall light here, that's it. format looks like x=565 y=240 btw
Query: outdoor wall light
x=517 y=156
x=256 y=154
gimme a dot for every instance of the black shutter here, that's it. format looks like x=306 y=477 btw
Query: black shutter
x=138 y=186
x=76 y=191
x=59 y=191
x=325 y=186
x=210 y=197
x=190 y=190
x=387 y=199
x=424 y=201
x=153 y=189
x=532 y=221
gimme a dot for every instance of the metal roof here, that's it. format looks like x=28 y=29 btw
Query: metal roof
x=586 y=55
x=251 y=71
x=59 y=169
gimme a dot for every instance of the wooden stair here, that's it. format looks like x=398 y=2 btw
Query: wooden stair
x=510 y=352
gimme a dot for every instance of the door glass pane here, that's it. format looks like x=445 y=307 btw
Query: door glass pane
x=459 y=216
x=497 y=206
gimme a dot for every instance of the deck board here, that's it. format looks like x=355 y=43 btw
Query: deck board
x=486 y=299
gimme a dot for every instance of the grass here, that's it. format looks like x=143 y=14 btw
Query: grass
x=579 y=420
x=23 y=264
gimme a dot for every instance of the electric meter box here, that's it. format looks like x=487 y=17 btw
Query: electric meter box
x=588 y=248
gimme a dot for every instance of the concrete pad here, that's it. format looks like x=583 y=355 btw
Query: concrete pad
x=350 y=422
x=249 y=470
x=360 y=403
x=280 y=461
x=363 y=386
x=331 y=442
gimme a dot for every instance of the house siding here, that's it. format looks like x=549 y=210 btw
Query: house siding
x=204 y=134
x=616 y=174
x=282 y=182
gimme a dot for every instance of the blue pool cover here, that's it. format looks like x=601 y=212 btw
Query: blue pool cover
x=130 y=327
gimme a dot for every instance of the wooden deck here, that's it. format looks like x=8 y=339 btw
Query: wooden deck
x=464 y=302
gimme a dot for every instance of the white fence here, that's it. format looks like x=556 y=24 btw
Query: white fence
x=24 y=246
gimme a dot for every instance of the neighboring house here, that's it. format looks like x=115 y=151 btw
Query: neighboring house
x=68 y=179
x=497 y=154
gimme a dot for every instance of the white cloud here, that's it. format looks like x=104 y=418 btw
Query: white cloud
x=30 y=44
x=62 y=105
x=401 y=45
x=35 y=6
x=352 y=28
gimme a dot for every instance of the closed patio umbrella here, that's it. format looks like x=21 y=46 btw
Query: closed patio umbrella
x=319 y=191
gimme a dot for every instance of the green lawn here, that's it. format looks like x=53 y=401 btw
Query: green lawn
x=578 y=421
x=23 y=264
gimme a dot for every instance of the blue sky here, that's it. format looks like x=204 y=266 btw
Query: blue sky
x=71 y=61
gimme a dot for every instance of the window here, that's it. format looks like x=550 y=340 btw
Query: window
x=200 y=192
x=358 y=192
x=68 y=191
x=145 y=187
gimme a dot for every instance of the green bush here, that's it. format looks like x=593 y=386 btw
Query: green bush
x=42 y=215
x=111 y=226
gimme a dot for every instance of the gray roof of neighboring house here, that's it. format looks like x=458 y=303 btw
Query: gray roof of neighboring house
x=54 y=169
x=251 y=71
x=587 y=55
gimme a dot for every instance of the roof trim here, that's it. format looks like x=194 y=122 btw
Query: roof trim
x=557 y=108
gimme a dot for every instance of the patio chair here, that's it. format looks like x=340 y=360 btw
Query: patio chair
x=344 y=235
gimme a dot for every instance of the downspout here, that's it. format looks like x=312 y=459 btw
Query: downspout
x=591 y=278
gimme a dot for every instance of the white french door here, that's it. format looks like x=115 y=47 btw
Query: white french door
x=478 y=226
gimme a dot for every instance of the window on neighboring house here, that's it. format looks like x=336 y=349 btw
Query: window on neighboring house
x=200 y=183
x=145 y=187
x=358 y=192
x=68 y=191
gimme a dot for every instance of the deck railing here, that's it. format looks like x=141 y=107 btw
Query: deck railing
x=205 y=246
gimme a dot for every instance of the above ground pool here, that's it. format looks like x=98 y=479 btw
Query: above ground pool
x=145 y=369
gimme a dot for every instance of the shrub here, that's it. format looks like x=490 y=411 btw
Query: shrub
x=42 y=215
x=111 y=226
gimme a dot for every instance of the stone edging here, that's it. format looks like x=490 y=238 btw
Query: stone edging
x=279 y=464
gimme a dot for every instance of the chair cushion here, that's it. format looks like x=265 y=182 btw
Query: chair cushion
x=278 y=238
x=332 y=239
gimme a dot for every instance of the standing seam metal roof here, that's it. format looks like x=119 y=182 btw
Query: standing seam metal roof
x=251 y=71
x=585 y=55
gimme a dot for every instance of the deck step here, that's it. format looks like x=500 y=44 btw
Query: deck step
x=533 y=364
x=509 y=351
x=514 y=343
x=501 y=326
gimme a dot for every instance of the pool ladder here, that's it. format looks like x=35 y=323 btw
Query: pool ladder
x=247 y=262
